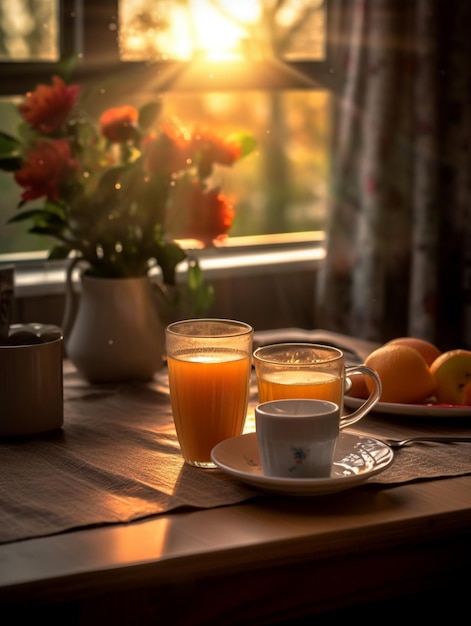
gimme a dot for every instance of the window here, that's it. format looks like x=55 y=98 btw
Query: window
x=29 y=31
x=252 y=64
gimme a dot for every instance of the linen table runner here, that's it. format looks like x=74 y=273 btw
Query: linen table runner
x=117 y=459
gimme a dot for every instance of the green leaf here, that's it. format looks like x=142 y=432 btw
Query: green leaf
x=25 y=215
x=59 y=252
x=8 y=143
x=168 y=255
x=149 y=113
x=195 y=275
x=38 y=216
x=51 y=230
x=246 y=141
x=66 y=66
x=10 y=164
x=10 y=153
x=201 y=294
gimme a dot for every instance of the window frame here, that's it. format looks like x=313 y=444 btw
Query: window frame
x=84 y=30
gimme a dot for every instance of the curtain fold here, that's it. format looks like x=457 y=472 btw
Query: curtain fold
x=398 y=250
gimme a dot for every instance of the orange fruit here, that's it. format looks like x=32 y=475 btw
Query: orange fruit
x=452 y=373
x=358 y=388
x=428 y=350
x=404 y=374
x=467 y=394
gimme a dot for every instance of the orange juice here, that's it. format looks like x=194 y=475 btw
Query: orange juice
x=209 y=396
x=300 y=384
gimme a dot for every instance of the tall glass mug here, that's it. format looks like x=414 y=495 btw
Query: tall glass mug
x=308 y=370
x=209 y=364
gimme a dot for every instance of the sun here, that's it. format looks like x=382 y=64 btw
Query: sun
x=221 y=26
x=203 y=30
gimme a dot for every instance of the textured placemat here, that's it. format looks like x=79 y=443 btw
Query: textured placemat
x=117 y=459
x=420 y=461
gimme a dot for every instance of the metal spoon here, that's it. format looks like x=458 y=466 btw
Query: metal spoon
x=396 y=444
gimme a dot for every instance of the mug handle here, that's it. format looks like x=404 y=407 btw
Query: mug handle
x=348 y=420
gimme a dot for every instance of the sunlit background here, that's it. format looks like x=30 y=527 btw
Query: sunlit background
x=280 y=189
x=221 y=30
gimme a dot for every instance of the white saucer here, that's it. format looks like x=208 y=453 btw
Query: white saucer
x=357 y=458
x=413 y=410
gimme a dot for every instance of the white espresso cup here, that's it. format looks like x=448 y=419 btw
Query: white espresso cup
x=297 y=437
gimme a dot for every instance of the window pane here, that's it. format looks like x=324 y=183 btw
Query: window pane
x=222 y=29
x=279 y=188
x=29 y=30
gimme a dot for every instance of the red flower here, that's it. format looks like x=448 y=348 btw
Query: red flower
x=47 y=164
x=210 y=148
x=48 y=107
x=202 y=215
x=118 y=124
x=168 y=153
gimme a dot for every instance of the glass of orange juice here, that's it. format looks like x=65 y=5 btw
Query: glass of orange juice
x=209 y=364
x=309 y=370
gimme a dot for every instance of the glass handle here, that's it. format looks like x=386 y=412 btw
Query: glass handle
x=373 y=398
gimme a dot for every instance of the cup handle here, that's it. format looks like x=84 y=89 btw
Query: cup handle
x=348 y=420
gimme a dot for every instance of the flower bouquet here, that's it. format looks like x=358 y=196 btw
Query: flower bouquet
x=120 y=192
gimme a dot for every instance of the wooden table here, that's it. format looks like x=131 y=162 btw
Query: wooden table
x=252 y=563
x=266 y=561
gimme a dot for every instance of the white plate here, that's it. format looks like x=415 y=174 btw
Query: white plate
x=356 y=459
x=413 y=410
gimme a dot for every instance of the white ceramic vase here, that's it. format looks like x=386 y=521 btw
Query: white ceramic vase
x=112 y=328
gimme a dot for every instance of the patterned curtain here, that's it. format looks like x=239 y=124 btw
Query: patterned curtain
x=398 y=251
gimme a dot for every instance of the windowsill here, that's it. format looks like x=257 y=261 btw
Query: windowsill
x=36 y=276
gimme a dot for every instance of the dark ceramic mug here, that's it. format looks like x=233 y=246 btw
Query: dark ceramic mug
x=31 y=380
